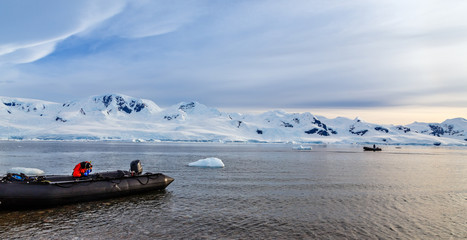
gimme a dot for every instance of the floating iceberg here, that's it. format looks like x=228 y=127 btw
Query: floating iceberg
x=302 y=148
x=27 y=171
x=208 y=163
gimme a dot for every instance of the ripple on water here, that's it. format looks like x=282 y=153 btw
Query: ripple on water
x=262 y=193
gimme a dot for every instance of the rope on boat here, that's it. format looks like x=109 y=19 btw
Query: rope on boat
x=114 y=180
x=147 y=178
x=59 y=184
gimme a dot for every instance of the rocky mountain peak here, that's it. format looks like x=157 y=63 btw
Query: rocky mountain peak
x=121 y=103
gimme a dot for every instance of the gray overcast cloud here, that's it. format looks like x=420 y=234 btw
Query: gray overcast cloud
x=238 y=54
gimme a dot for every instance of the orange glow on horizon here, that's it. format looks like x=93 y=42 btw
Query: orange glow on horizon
x=387 y=115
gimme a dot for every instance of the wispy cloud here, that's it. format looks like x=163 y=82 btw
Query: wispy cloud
x=30 y=30
x=146 y=18
x=258 y=54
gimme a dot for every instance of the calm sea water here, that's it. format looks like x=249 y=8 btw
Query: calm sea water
x=266 y=191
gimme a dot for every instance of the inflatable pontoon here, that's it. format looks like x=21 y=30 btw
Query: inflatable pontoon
x=21 y=191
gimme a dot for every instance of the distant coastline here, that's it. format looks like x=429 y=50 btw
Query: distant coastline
x=117 y=117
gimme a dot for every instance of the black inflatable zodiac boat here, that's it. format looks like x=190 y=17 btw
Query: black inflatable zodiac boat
x=374 y=149
x=53 y=190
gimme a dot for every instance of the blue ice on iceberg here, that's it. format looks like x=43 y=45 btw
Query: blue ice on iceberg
x=211 y=162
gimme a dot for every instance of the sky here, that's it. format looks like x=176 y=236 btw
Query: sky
x=385 y=61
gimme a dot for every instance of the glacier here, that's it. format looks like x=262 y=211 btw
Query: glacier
x=118 y=117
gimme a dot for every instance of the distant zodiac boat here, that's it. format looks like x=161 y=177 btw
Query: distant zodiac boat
x=20 y=191
x=374 y=149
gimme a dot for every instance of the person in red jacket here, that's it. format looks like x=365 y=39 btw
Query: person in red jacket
x=82 y=169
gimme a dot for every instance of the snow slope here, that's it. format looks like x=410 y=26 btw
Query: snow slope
x=121 y=117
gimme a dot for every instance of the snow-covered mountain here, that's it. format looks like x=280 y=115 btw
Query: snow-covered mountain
x=120 y=117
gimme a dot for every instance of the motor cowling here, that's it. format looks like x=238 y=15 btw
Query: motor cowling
x=136 y=168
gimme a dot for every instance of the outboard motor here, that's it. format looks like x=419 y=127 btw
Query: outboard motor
x=136 y=168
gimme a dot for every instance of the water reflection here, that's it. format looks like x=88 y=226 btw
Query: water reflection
x=80 y=219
